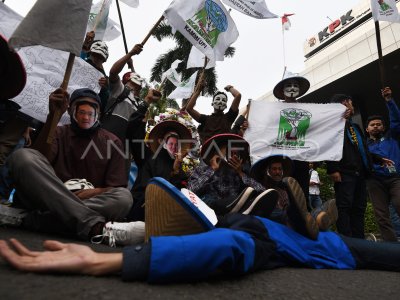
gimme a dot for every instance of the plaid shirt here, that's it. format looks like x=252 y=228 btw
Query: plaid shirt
x=222 y=185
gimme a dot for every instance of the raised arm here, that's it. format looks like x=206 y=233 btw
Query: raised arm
x=58 y=104
x=237 y=96
x=394 y=112
x=192 y=101
x=119 y=64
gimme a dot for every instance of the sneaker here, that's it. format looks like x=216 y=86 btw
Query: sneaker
x=123 y=234
x=326 y=215
x=11 y=216
x=305 y=222
x=237 y=204
x=169 y=212
x=262 y=205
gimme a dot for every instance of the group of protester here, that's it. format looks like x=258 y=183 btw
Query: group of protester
x=75 y=184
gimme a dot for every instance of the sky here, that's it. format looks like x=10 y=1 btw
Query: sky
x=258 y=63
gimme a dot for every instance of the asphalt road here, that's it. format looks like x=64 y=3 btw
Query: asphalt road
x=285 y=283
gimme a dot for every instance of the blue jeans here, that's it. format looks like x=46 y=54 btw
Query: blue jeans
x=373 y=255
x=315 y=201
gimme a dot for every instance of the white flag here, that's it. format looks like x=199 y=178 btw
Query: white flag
x=171 y=74
x=44 y=70
x=131 y=3
x=104 y=28
x=56 y=24
x=307 y=132
x=256 y=9
x=385 y=10
x=196 y=60
x=185 y=89
x=205 y=23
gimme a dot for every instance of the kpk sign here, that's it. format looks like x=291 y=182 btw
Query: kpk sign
x=339 y=26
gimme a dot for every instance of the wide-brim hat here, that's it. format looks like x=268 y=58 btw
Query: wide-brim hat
x=162 y=128
x=259 y=168
x=12 y=72
x=236 y=141
x=304 y=85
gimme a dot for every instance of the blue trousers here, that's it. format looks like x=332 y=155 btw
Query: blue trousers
x=243 y=244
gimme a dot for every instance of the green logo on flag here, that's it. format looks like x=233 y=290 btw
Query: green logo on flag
x=384 y=5
x=209 y=22
x=293 y=125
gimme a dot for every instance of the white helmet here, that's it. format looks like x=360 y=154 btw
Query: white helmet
x=101 y=48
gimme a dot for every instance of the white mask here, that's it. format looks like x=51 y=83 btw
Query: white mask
x=291 y=89
x=220 y=102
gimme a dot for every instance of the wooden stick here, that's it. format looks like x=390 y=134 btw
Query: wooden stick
x=380 y=56
x=64 y=85
x=246 y=115
x=151 y=30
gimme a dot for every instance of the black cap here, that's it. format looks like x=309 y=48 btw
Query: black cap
x=84 y=92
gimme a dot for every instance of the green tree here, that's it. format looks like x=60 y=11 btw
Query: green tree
x=181 y=51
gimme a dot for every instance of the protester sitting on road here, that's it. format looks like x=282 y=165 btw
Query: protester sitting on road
x=169 y=142
x=222 y=181
x=238 y=245
x=384 y=183
x=291 y=209
x=81 y=150
x=218 y=122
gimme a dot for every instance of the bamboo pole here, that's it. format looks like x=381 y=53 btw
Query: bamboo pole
x=64 y=85
x=98 y=17
x=152 y=29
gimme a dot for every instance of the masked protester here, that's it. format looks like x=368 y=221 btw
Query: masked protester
x=218 y=122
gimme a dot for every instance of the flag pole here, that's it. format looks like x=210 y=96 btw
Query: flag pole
x=64 y=85
x=123 y=31
x=380 y=56
x=151 y=30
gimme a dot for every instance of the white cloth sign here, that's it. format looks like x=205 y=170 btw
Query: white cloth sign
x=57 y=24
x=307 y=132
x=45 y=71
x=204 y=23
x=385 y=10
x=255 y=9
x=185 y=89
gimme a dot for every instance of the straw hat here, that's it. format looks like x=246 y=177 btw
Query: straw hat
x=259 y=168
x=161 y=129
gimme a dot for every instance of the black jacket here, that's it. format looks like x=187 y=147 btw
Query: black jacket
x=351 y=162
